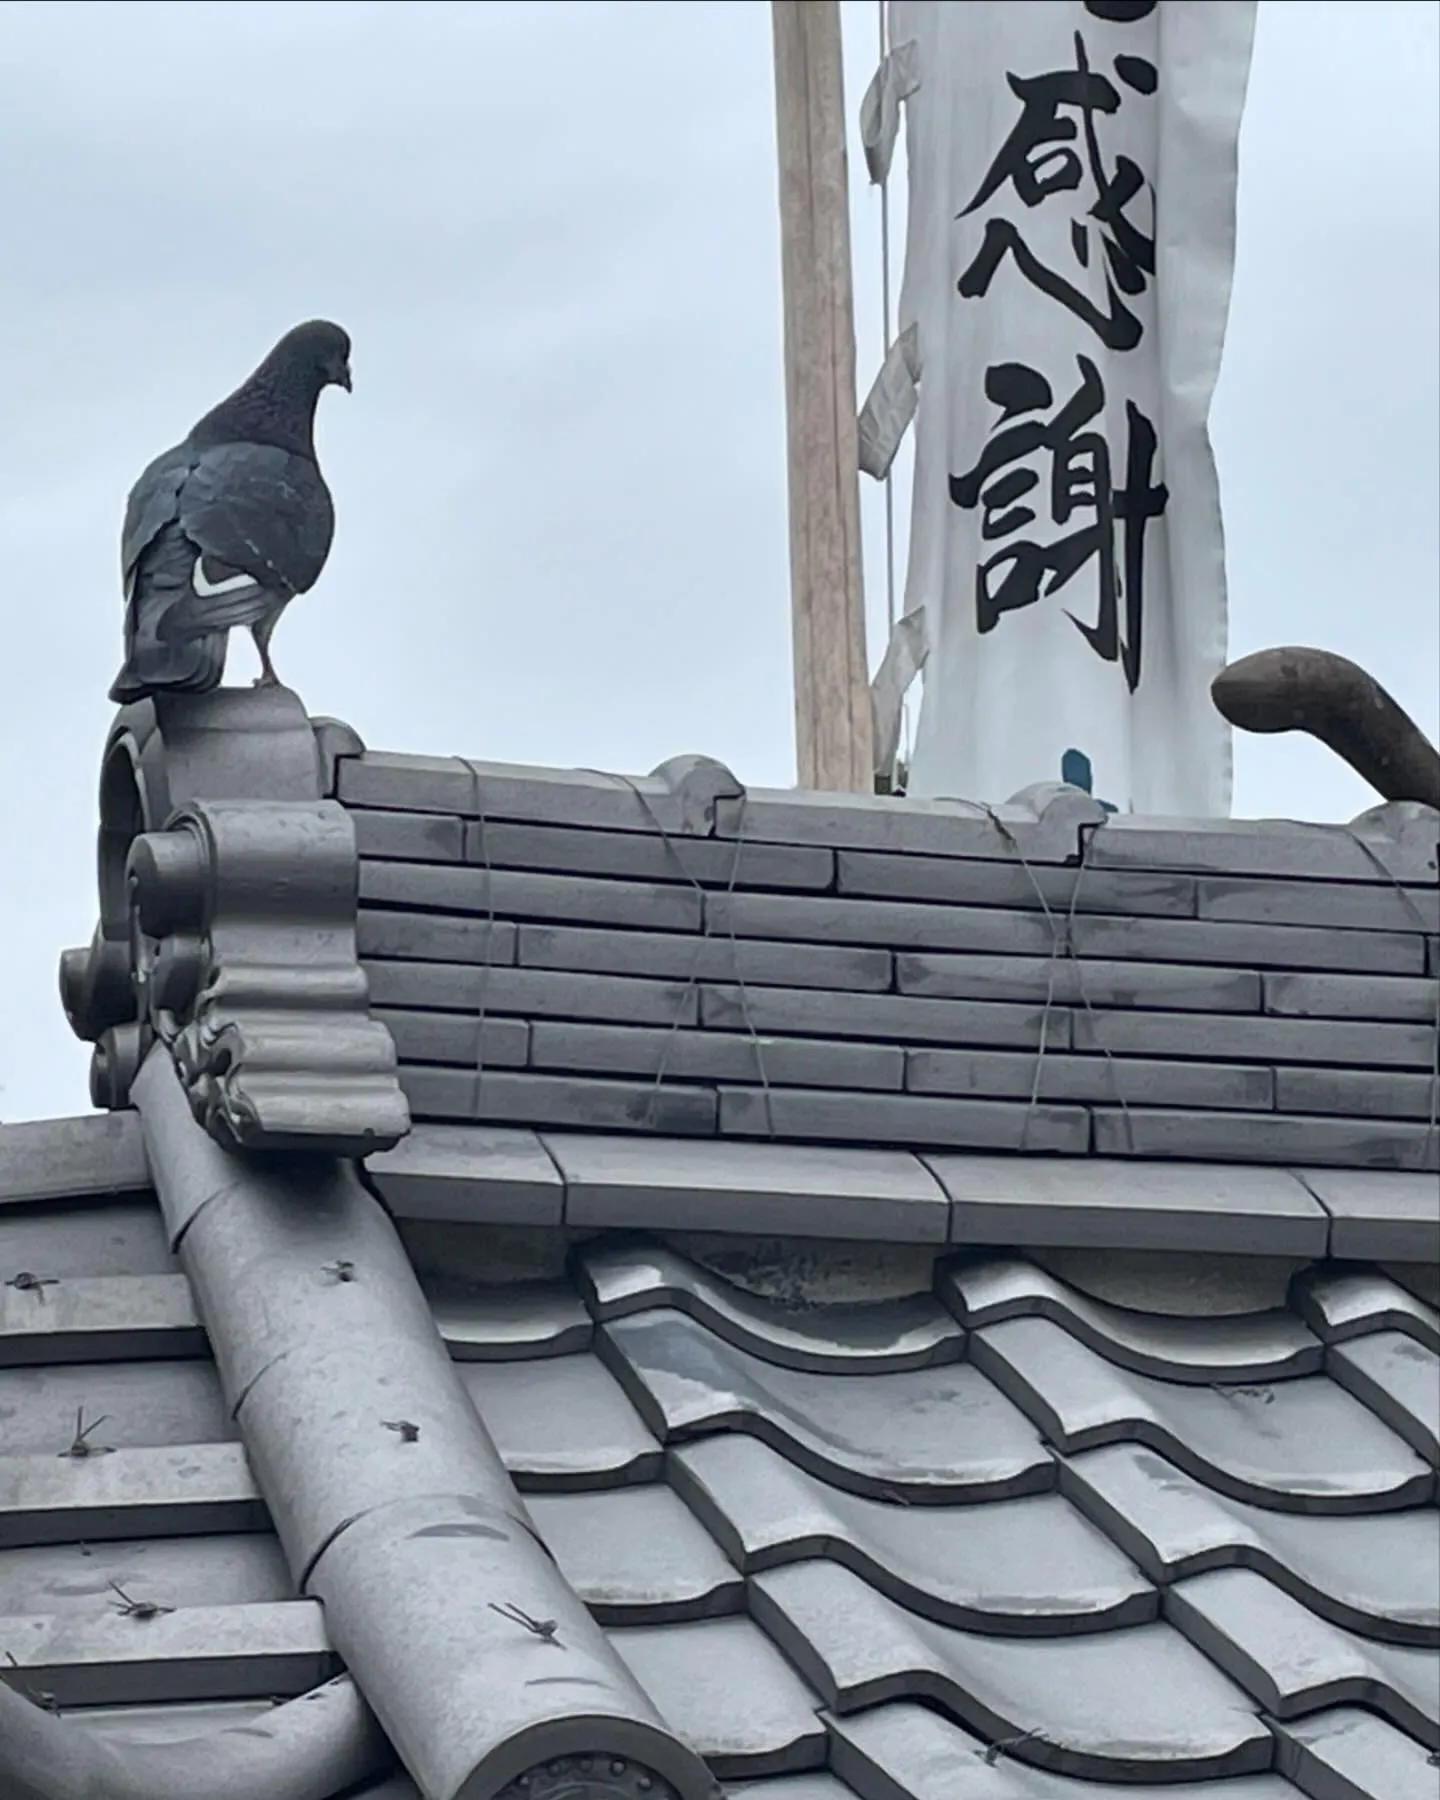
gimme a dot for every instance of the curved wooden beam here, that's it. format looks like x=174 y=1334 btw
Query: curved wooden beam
x=1297 y=689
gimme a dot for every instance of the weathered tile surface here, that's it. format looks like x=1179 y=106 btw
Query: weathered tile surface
x=911 y=1749
x=788 y=1190
x=1340 y=1303
x=1254 y=1347
x=1110 y=1704
x=990 y=1542
x=1151 y=1206
x=1377 y=1573
x=781 y=985
x=906 y=1333
x=1377 y=1216
x=1346 y=1754
x=638 y=1555
x=1292 y=1662
x=1302 y=1444
x=562 y=1423
x=923 y=1434
x=725 y=1686
x=1022 y=1567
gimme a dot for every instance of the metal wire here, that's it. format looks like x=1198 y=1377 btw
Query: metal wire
x=1062 y=945
x=693 y=982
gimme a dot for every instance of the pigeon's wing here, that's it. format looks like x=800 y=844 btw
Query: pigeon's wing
x=259 y=510
x=153 y=504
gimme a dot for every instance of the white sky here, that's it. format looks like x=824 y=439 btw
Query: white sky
x=551 y=230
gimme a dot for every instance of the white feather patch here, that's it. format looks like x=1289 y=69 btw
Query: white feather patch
x=207 y=590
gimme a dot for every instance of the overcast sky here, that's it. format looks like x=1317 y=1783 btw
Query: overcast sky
x=551 y=230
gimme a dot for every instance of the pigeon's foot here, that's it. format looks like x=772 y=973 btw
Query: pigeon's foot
x=266 y=678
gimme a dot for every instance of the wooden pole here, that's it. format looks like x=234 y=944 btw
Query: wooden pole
x=833 y=732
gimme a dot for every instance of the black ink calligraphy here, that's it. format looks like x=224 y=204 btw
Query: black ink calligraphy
x=1120 y=12
x=1037 y=160
x=1081 y=487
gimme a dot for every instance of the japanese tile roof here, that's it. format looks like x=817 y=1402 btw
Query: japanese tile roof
x=677 y=956
x=996 y=1528
x=844 y=1300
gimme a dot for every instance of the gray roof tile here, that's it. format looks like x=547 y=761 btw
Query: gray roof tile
x=572 y=1102
x=68 y=1158
x=1340 y=1303
x=1346 y=1754
x=1422 y=1279
x=1135 y=1080
x=906 y=1333
x=1363 y=905
x=142 y=1403
x=919 y=1120
x=1293 y=1662
x=47 y=1498
x=772 y=1189
x=1014 y=1567
x=647 y=856
x=727 y=1689
x=1222 y=1036
x=1352 y=997
x=873 y=822
x=178 y=1720
x=1037 y=979
x=1378 y=1216
x=1139 y=1703
x=539 y=993
x=1302 y=1444
x=408 y=836
x=1257 y=1347
x=1353 y=1093
x=1265 y=1138
x=474 y=1043
x=475 y=789
x=923 y=1434
x=511 y=1323
x=1399 y=1380
x=125 y=1237
x=796 y=1430
x=1146 y=1207
x=813 y=1785
x=658 y=906
x=1267 y=847
x=469 y=1172
x=714 y=1056
x=434 y=937
x=634 y=921
x=562 y=1423
x=80 y=1581
x=194 y=1653
x=1378 y=1573
x=47 y=1319
x=841 y=967
x=967 y=880
x=638 y=1556
x=819 y=1013
x=906 y=1748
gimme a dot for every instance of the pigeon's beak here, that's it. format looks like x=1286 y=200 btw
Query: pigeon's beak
x=342 y=377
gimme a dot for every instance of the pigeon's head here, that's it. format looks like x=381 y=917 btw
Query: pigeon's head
x=323 y=351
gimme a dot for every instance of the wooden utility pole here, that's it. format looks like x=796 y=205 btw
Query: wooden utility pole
x=832 y=685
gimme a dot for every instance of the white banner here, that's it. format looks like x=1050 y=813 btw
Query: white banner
x=1072 y=171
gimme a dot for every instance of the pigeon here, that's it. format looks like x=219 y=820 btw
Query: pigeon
x=230 y=525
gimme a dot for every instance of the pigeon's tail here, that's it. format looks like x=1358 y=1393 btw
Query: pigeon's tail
x=192 y=666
